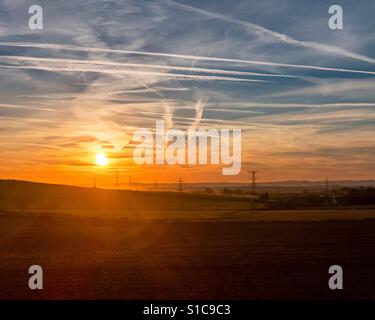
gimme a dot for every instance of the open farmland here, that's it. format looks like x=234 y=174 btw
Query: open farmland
x=91 y=258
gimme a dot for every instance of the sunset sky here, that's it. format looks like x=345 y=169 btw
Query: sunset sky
x=302 y=94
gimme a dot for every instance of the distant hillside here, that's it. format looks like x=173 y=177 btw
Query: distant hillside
x=280 y=186
x=23 y=195
x=290 y=183
x=306 y=183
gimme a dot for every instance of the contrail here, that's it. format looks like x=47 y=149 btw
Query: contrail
x=336 y=87
x=178 y=56
x=17 y=106
x=168 y=114
x=244 y=105
x=276 y=35
x=151 y=66
x=198 y=114
x=147 y=90
x=130 y=72
x=172 y=89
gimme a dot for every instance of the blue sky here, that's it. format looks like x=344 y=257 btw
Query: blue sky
x=303 y=94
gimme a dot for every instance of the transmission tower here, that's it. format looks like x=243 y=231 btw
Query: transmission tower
x=94 y=182
x=130 y=183
x=117 y=187
x=252 y=177
x=180 y=185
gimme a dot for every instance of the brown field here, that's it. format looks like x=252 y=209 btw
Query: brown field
x=261 y=256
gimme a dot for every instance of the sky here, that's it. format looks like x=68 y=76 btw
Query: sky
x=302 y=94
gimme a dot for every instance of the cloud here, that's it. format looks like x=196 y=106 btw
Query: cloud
x=199 y=106
x=261 y=31
x=26 y=107
x=180 y=56
x=172 y=89
x=331 y=88
x=78 y=67
x=107 y=146
x=244 y=105
x=138 y=65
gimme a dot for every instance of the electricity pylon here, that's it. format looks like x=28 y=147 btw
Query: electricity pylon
x=252 y=176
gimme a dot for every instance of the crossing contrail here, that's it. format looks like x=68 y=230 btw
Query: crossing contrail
x=67 y=47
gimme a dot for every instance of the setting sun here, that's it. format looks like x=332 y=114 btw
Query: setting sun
x=101 y=159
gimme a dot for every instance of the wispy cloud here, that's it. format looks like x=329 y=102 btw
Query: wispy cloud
x=138 y=65
x=261 y=31
x=70 y=68
x=181 y=56
x=330 y=88
x=199 y=106
x=245 y=105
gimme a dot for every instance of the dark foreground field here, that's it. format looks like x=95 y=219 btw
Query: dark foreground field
x=92 y=258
